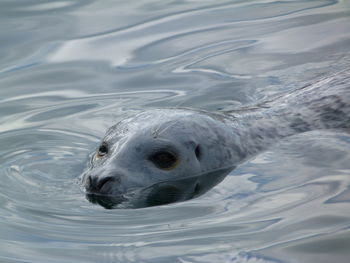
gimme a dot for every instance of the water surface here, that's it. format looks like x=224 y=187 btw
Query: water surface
x=70 y=69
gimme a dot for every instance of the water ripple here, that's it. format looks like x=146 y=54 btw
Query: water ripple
x=71 y=69
x=118 y=49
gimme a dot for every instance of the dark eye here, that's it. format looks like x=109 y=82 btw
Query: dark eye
x=102 y=150
x=165 y=160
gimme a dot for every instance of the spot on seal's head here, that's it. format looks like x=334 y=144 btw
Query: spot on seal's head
x=159 y=150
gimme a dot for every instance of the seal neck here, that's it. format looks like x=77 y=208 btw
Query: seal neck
x=322 y=105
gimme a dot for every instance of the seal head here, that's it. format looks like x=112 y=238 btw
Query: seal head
x=166 y=155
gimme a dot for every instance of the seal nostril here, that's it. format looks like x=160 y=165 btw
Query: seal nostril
x=198 y=152
x=95 y=183
x=103 y=181
x=87 y=181
x=197 y=189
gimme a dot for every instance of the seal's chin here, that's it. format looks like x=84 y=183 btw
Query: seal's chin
x=162 y=193
x=106 y=201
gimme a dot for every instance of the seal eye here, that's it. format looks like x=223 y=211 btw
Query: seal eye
x=102 y=150
x=164 y=160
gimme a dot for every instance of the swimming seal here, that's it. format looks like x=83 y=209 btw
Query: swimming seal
x=170 y=155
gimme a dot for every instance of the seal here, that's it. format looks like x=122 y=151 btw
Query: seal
x=171 y=155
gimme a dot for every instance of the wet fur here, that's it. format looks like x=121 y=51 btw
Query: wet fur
x=226 y=139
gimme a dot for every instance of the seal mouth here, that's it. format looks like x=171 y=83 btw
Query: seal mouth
x=160 y=193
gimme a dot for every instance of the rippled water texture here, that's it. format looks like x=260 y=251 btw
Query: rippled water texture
x=70 y=69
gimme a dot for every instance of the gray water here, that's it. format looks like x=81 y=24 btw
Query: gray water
x=70 y=69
